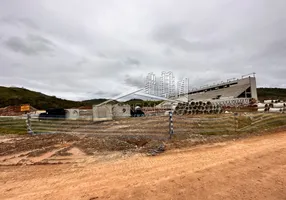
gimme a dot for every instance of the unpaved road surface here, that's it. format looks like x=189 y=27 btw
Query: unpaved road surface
x=253 y=168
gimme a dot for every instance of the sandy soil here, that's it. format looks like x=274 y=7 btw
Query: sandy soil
x=252 y=168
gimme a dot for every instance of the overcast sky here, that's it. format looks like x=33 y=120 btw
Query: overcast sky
x=82 y=49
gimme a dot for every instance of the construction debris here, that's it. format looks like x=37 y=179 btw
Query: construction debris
x=14 y=111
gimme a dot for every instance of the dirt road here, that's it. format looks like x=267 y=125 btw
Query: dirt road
x=253 y=168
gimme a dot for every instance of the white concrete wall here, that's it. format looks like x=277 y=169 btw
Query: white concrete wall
x=253 y=88
x=121 y=110
x=72 y=114
x=103 y=112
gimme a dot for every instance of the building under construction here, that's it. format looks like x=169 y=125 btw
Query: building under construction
x=240 y=92
x=235 y=88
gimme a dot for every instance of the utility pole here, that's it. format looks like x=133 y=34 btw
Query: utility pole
x=188 y=91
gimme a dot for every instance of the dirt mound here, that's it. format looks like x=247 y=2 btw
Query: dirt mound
x=37 y=143
x=91 y=144
x=13 y=111
x=44 y=146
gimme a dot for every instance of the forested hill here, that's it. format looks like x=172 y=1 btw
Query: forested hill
x=271 y=93
x=13 y=96
x=10 y=96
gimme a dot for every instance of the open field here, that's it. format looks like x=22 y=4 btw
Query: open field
x=252 y=168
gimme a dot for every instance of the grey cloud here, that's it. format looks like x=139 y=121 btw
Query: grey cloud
x=31 y=45
x=174 y=37
x=19 y=21
x=101 y=55
x=29 y=23
x=132 y=61
x=82 y=62
x=103 y=94
x=273 y=52
x=39 y=39
x=134 y=81
x=96 y=51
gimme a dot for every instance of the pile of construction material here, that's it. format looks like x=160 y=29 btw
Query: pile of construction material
x=272 y=106
x=14 y=111
x=198 y=107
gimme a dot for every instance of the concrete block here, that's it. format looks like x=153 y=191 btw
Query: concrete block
x=121 y=110
x=103 y=112
x=72 y=114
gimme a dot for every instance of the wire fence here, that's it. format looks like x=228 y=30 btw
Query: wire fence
x=161 y=126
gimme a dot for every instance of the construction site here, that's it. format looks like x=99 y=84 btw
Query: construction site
x=118 y=151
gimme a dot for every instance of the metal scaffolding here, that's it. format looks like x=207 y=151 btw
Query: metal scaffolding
x=167 y=84
x=183 y=87
x=151 y=86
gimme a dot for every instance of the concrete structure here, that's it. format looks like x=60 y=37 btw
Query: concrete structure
x=233 y=93
x=108 y=111
x=121 y=110
x=85 y=114
x=237 y=88
x=103 y=112
x=72 y=114
x=272 y=107
x=198 y=107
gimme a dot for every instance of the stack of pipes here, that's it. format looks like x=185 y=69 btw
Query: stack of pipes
x=272 y=106
x=198 y=107
x=235 y=102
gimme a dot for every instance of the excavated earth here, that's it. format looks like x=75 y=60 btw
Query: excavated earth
x=122 y=160
x=60 y=148
x=250 y=168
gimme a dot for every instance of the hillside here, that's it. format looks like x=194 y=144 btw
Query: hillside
x=18 y=96
x=93 y=101
x=13 y=96
x=271 y=93
x=142 y=103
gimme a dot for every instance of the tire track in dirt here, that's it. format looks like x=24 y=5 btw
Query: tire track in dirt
x=253 y=168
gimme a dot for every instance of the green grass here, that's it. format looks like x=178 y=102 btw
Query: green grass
x=15 y=131
x=12 y=126
x=243 y=121
x=267 y=123
x=252 y=123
